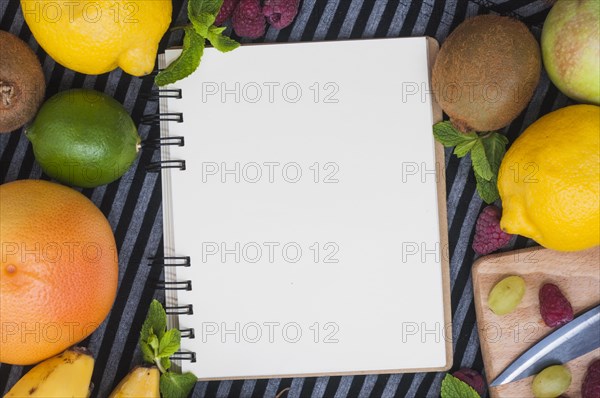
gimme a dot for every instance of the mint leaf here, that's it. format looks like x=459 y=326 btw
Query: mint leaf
x=480 y=162
x=487 y=151
x=197 y=7
x=153 y=343
x=173 y=385
x=455 y=388
x=147 y=352
x=188 y=61
x=221 y=42
x=155 y=323
x=217 y=29
x=169 y=344
x=495 y=148
x=448 y=135
x=487 y=190
x=157 y=345
x=464 y=147
x=202 y=23
x=165 y=363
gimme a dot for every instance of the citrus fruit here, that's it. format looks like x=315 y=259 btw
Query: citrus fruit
x=83 y=138
x=549 y=180
x=96 y=37
x=58 y=269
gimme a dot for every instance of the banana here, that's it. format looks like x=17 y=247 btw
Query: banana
x=141 y=382
x=65 y=375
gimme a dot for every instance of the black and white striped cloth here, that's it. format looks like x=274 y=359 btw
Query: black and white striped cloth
x=133 y=203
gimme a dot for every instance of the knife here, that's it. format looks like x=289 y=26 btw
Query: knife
x=568 y=342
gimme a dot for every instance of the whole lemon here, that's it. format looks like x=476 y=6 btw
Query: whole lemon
x=549 y=180
x=58 y=269
x=84 y=138
x=95 y=37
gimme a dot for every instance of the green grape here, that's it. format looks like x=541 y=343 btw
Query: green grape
x=551 y=382
x=506 y=295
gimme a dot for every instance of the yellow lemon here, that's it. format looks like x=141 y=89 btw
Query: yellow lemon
x=549 y=180
x=96 y=37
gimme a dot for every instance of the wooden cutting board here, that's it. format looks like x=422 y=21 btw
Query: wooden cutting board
x=505 y=338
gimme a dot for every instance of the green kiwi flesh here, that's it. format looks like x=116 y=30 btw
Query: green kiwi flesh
x=486 y=72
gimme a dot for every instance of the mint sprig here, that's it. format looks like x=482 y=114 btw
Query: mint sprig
x=157 y=345
x=187 y=62
x=456 y=388
x=174 y=385
x=202 y=15
x=220 y=41
x=487 y=150
x=155 y=323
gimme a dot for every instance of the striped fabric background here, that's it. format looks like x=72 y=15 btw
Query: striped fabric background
x=133 y=203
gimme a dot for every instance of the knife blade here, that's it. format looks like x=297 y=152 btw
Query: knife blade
x=568 y=342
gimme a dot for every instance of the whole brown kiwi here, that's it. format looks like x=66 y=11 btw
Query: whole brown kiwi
x=486 y=72
x=22 y=84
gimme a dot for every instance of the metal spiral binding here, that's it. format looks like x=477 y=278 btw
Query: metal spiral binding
x=156 y=143
x=184 y=356
x=188 y=333
x=180 y=310
x=182 y=285
x=154 y=167
x=174 y=261
x=156 y=118
x=170 y=261
x=157 y=94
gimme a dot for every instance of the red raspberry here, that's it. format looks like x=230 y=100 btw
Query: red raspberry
x=248 y=20
x=472 y=378
x=226 y=11
x=554 y=306
x=281 y=13
x=591 y=383
x=488 y=235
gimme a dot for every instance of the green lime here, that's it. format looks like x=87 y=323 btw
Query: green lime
x=83 y=138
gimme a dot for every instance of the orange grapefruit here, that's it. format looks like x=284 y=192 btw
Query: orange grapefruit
x=58 y=269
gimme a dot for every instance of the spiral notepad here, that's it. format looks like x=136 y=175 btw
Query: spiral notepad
x=304 y=211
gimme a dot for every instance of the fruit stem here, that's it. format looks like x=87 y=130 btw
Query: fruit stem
x=179 y=27
x=485 y=134
x=7 y=93
x=159 y=366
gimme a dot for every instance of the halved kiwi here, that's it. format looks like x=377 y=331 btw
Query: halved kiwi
x=22 y=84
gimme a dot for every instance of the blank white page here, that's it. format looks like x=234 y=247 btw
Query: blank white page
x=309 y=209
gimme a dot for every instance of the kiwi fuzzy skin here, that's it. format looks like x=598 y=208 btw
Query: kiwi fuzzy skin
x=22 y=84
x=486 y=72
